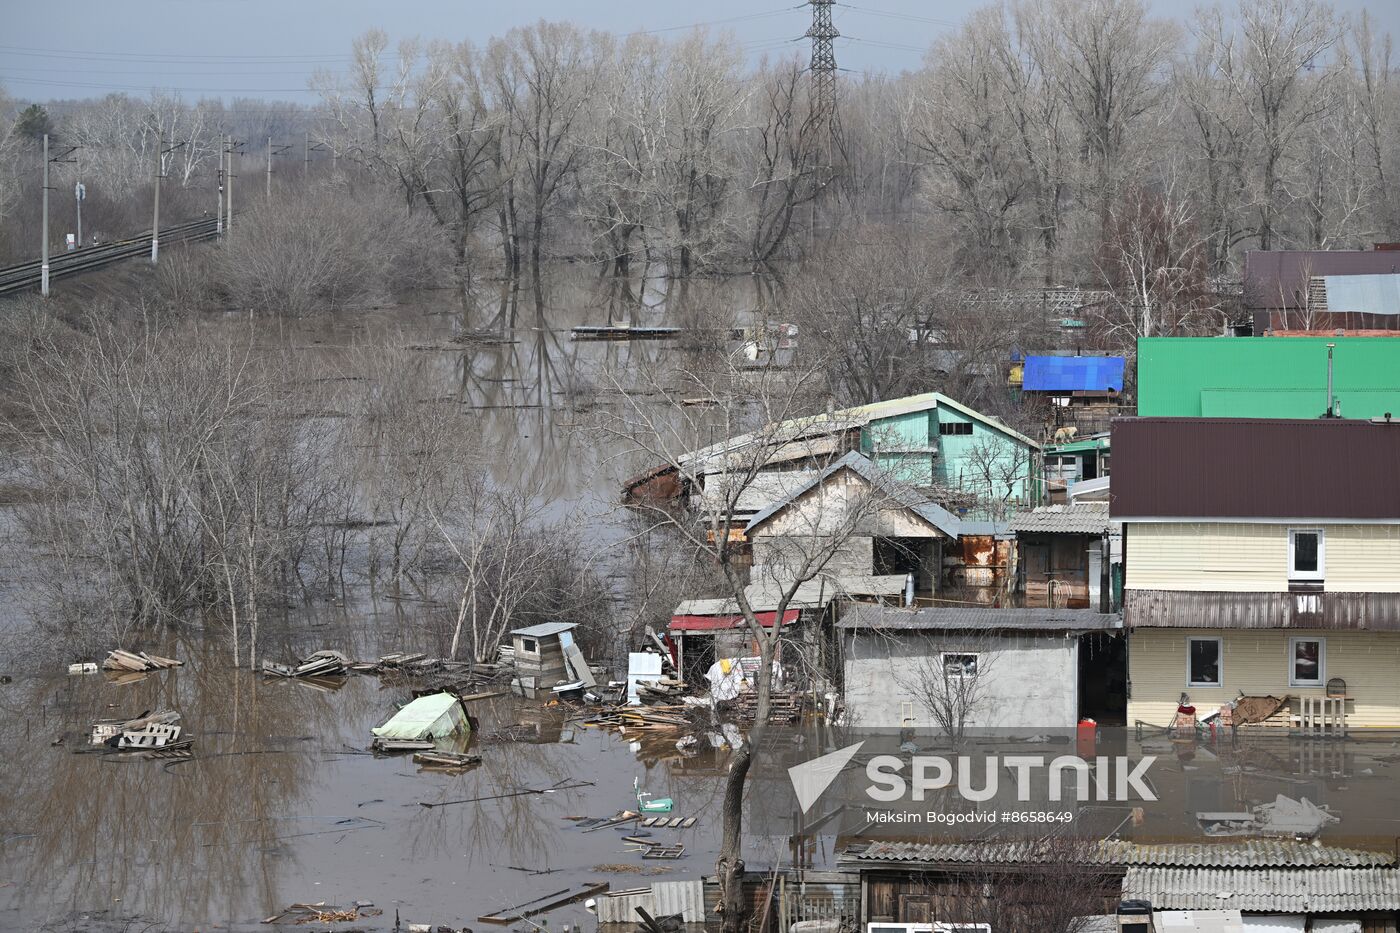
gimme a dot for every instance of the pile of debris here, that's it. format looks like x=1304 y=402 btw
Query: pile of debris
x=147 y=732
x=137 y=662
x=446 y=762
x=421 y=724
x=782 y=706
x=632 y=718
x=323 y=664
x=321 y=912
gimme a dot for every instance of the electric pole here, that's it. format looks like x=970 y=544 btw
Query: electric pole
x=228 y=178
x=79 y=193
x=269 y=168
x=155 y=217
x=219 y=190
x=44 y=252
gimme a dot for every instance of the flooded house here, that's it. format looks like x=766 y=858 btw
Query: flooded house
x=1075 y=469
x=1066 y=554
x=546 y=656
x=924 y=440
x=938 y=668
x=1261 y=561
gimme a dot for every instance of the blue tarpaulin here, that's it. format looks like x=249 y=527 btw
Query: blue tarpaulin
x=1073 y=374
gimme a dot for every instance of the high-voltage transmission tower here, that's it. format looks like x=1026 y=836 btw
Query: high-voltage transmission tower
x=822 y=33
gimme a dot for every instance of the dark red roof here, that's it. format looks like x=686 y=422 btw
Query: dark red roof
x=1278 y=279
x=1247 y=468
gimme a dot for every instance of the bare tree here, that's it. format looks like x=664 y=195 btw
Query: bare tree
x=950 y=681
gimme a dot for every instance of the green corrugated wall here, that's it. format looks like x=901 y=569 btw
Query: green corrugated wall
x=1266 y=377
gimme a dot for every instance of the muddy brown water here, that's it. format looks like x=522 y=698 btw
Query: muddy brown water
x=280 y=804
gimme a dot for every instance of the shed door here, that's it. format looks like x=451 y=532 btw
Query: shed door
x=915 y=908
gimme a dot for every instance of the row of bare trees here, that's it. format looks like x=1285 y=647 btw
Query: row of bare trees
x=185 y=477
x=1031 y=139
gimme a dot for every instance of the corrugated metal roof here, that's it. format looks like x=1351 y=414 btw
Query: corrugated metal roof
x=1241 y=468
x=763 y=594
x=1379 y=612
x=1079 y=518
x=1278 y=279
x=665 y=899
x=758 y=491
x=887 y=618
x=1073 y=374
x=544 y=629
x=1286 y=890
x=885 y=483
x=1253 y=853
x=1368 y=294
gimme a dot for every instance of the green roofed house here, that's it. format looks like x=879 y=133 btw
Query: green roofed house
x=1266 y=377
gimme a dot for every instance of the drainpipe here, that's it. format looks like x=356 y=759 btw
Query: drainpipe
x=1331 y=402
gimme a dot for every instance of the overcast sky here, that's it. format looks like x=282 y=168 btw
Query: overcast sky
x=268 y=48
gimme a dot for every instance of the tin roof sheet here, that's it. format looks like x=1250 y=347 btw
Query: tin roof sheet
x=890 y=618
x=1368 y=294
x=1279 y=278
x=1253 y=853
x=1073 y=374
x=1079 y=518
x=544 y=629
x=1292 y=469
x=1286 y=890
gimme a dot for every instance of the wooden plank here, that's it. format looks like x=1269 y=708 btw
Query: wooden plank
x=548 y=902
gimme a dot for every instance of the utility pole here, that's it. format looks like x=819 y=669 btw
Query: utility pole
x=219 y=189
x=306 y=155
x=269 y=168
x=161 y=153
x=155 y=218
x=79 y=194
x=44 y=251
x=228 y=195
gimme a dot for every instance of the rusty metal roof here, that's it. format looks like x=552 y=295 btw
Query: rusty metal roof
x=1253 y=854
x=971 y=618
x=1378 y=612
x=1278 y=279
x=1232 y=468
x=1285 y=890
x=1078 y=518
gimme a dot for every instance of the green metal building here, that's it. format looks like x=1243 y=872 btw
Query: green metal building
x=1266 y=377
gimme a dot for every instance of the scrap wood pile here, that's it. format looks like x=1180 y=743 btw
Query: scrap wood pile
x=639 y=718
x=782 y=707
x=321 y=912
x=329 y=665
x=147 y=732
x=665 y=690
x=136 y=662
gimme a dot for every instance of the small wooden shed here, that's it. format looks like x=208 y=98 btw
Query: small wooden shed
x=539 y=652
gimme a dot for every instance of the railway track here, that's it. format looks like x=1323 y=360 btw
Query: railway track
x=27 y=274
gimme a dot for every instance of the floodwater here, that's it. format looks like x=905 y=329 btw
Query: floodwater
x=280 y=804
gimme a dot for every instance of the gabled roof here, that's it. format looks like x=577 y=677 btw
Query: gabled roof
x=1073 y=374
x=827 y=423
x=886 y=484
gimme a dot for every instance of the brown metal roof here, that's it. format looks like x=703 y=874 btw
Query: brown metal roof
x=1278 y=279
x=1244 y=468
x=1377 y=612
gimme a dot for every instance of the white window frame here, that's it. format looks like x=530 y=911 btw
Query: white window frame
x=529 y=645
x=1219 y=661
x=1308 y=575
x=1321 y=661
x=976 y=661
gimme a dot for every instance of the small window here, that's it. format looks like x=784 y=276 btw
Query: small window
x=529 y=645
x=906 y=714
x=947 y=428
x=1307 y=662
x=1306 y=553
x=1203 y=662
x=960 y=665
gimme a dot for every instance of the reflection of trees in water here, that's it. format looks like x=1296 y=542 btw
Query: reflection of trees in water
x=169 y=839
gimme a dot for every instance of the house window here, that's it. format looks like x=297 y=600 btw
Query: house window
x=1203 y=662
x=1307 y=662
x=1306 y=553
x=960 y=665
x=529 y=645
x=947 y=428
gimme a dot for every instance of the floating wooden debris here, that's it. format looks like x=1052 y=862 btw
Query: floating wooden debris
x=322 y=664
x=403 y=745
x=666 y=852
x=83 y=667
x=622 y=332
x=446 y=761
x=120 y=660
x=321 y=912
x=544 y=904
x=110 y=731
